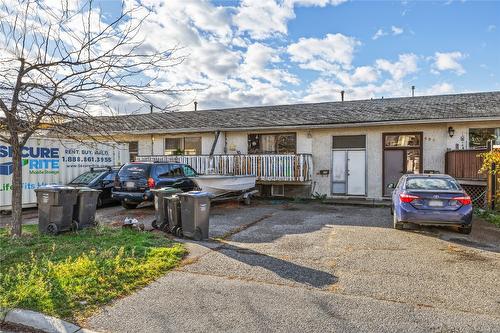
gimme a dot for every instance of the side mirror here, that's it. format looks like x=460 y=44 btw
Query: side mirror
x=391 y=186
x=105 y=182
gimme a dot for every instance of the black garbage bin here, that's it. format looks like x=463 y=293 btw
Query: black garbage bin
x=161 y=221
x=195 y=210
x=84 y=210
x=55 y=208
x=174 y=215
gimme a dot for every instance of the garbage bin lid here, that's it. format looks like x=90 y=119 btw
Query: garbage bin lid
x=55 y=188
x=86 y=189
x=166 y=190
x=196 y=194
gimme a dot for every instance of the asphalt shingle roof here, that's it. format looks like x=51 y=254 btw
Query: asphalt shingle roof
x=424 y=108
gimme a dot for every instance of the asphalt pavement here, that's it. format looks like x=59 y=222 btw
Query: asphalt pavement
x=290 y=267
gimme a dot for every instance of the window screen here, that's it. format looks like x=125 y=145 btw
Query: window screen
x=349 y=141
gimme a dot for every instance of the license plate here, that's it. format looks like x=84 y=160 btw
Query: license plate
x=435 y=203
x=129 y=184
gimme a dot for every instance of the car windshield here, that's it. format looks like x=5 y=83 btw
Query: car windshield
x=87 y=177
x=136 y=169
x=438 y=184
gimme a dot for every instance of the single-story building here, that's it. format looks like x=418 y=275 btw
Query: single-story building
x=337 y=149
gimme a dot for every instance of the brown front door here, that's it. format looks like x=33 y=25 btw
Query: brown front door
x=402 y=154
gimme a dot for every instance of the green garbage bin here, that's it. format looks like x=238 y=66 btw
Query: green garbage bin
x=84 y=210
x=161 y=221
x=55 y=208
x=195 y=210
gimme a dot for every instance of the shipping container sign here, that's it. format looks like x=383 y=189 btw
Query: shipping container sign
x=52 y=161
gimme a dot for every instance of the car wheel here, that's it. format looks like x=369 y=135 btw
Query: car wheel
x=397 y=225
x=465 y=230
x=392 y=210
x=128 y=205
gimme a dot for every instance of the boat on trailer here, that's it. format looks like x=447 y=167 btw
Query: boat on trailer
x=227 y=187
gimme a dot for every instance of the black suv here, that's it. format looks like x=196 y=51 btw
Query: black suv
x=99 y=179
x=135 y=180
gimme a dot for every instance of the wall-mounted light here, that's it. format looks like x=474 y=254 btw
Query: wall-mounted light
x=451 y=131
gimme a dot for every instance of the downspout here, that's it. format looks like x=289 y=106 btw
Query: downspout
x=211 y=156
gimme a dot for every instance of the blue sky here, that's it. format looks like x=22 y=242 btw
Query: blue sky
x=288 y=51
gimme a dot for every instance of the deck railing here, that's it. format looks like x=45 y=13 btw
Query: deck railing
x=267 y=167
x=465 y=164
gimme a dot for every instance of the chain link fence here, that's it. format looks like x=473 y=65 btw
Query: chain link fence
x=478 y=194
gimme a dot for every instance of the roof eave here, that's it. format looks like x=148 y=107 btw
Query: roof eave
x=306 y=126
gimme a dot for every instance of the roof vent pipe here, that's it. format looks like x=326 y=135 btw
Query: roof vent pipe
x=412 y=91
x=195 y=105
x=342 y=95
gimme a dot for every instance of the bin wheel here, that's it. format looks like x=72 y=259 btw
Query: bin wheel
x=154 y=225
x=173 y=231
x=52 y=229
x=75 y=226
x=197 y=235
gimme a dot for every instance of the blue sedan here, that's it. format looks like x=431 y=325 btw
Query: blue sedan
x=431 y=199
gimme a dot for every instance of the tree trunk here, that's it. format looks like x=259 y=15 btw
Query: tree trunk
x=17 y=188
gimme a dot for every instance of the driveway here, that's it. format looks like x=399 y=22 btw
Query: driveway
x=289 y=267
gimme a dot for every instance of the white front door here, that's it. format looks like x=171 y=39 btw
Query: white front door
x=349 y=172
x=356 y=179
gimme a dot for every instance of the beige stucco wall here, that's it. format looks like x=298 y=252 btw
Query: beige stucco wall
x=318 y=142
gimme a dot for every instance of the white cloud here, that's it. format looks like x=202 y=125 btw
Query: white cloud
x=406 y=64
x=394 y=31
x=324 y=54
x=256 y=66
x=448 y=62
x=265 y=19
x=378 y=34
x=440 y=88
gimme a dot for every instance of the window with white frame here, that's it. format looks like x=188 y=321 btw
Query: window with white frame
x=183 y=146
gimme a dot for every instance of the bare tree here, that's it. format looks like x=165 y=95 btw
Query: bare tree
x=60 y=65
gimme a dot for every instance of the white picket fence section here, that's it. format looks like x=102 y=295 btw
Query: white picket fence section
x=267 y=167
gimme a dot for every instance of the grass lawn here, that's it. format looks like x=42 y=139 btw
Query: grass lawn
x=72 y=274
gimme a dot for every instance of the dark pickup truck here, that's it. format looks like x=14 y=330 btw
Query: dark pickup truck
x=134 y=181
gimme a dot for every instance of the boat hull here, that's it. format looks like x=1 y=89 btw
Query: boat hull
x=221 y=185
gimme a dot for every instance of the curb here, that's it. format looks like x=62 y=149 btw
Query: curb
x=39 y=321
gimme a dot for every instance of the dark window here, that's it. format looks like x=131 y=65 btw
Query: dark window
x=175 y=171
x=110 y=176
x=349 y=141
x=161 y=170
x=479 y=137
x=280 y=143
x=133 y=150
x=402 y=140
x=188 y=171
x=135 y=168
x=86 y=177
x=438 y=184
